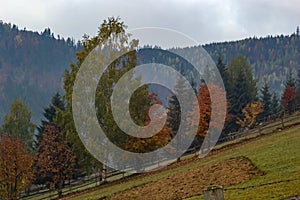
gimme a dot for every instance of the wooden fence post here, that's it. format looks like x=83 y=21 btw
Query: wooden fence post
x=104 y=173
x=282 y=118
x=213 y=192
x=282 y=123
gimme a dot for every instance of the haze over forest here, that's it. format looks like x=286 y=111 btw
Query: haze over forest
x=32 y=64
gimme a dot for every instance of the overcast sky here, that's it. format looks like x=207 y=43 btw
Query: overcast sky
x=204 y=20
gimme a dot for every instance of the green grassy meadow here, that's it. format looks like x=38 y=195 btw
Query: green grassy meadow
x=277 y=155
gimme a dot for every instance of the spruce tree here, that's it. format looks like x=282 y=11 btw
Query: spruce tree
x=242 y=89
x=290 y=82
x=288 y=99
x=49 y=115
x=275 y=106
x=223 y=71
x=174 y=113
x=265 y=98
x=239 y=98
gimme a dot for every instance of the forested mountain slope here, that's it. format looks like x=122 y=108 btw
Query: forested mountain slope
x=32 y=64
x=270 y=57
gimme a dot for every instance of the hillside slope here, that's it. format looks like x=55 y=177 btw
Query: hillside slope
x=32 y=64
x=265 y=167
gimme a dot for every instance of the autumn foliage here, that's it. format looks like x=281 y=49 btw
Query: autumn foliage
x=288 y=97
x=143 y=143
x=54 y=158
x=15 y=167
x=250 y=113
x=205 y=106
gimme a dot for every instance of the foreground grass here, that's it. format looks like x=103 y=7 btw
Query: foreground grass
x=278 y=155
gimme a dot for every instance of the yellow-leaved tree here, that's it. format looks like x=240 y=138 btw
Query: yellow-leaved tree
x=250 y=112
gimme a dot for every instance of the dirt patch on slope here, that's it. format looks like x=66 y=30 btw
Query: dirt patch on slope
x=183 y=184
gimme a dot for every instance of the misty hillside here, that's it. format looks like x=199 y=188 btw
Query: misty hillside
x=271 y=57
x=32 y=63
x=31 y=66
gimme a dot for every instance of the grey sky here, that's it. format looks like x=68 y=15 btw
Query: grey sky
x=204 y=20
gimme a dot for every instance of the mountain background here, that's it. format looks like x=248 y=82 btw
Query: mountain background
x=32 y=64
x=31 y=67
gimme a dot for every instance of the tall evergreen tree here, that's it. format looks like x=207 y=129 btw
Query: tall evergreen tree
x=239 y=99
x=223 y=71
x=49 y=115
x=265 y=98
x=242 y=89
x=275 y=106
x=174 y=113
x=291 y=81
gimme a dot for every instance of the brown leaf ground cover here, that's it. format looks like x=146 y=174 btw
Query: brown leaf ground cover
x=182 y=185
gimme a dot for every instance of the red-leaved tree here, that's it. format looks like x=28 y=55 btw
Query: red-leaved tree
x=54 y=158
x=205 y=107
x=287 y=99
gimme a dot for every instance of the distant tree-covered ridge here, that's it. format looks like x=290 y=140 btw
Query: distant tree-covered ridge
x=32 y=64
x=272 y=57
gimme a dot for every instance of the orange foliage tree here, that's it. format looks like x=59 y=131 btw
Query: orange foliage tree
x=205 y=107
x=15 y=167
x=250 y=113
x=54 y=158
x=142 y=143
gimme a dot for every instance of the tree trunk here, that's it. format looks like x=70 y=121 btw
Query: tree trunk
x=59 y=190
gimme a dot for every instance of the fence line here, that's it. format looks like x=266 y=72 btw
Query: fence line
x=74 y=185
x=280 y=123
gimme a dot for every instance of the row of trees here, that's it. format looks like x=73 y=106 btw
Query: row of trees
x=271 y=58
x=46 y=158
x=244 y=96
x=56 y=153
